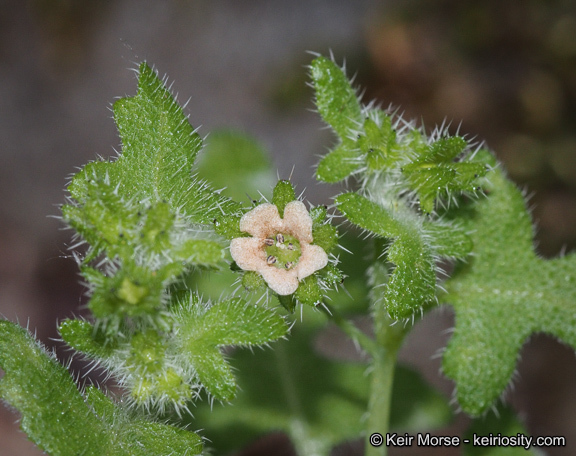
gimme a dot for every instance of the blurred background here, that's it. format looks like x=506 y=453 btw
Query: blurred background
x=500 y=70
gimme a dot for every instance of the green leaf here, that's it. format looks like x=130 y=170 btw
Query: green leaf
x=414 y=251
x=338 y=104
x=502 y=295
x=134 y=436
x=316 y=401
x=162 y=367
x=62 y=422
x=338 y=164
x=201 y=331
x=378 y=142
x=159 y=147
x=336 y=100
x=433 y=172
x=81 y=335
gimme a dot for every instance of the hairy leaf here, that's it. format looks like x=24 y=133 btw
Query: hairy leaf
x=414 y=250
x=502 y=295
x=316 y=401
x=201 y=331
x=159 y=147
x=338 y=105
x=62 y=422
x=336 y=100
x=441 y=169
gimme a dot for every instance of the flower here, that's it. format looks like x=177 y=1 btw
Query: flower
x=280 y=249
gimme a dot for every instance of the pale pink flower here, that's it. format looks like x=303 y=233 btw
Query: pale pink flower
x=269 y=251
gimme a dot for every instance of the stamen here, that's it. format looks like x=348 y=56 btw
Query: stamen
x=280 y=238
x=290 y=246
x=269 y=242
x=271 y=259
x=289 y=264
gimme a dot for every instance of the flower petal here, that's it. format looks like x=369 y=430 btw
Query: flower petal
x=248 y=253
x=262 y=221
x=297 y=221
x=279 y=280
x=313 y=258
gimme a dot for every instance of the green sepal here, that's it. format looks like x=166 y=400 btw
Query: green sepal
x=309 y=291
x=147 y=350
x=282 y=195
x=105 y=220
x=325 y=236
x=132 y=291
x=318 y=215
x=228 y=226
x=331 y=275
x=288 y=302
x=252 y=281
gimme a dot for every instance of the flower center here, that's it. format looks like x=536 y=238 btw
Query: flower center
x=282 y=251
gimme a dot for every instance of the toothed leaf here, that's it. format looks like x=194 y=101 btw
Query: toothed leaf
x=502 y=295
x=435 y=172
x=338 y=105
x=62 y=422
x=159 y=147
x=278 y=392
x=202 y=331
x=414 y=251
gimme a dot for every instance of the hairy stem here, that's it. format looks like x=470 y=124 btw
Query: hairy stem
x=389 y=339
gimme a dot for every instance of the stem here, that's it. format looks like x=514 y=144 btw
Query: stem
x=389 y=338
x=383 y=351
x=383 y=367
